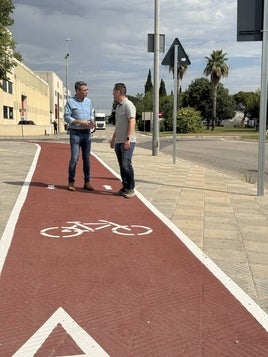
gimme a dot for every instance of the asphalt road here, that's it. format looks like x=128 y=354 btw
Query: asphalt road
x=233 y=157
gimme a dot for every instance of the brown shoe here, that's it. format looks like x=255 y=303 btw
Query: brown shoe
x=71 y=187
x=87 y=186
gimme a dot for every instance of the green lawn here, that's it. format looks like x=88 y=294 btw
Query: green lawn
x=249 y=133
x=243 y=133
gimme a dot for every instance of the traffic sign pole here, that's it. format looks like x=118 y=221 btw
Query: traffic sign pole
x=155 y=141
x=175 y=56
x=175 y=101
x=263 y=104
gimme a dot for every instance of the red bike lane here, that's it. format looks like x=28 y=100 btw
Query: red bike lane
x=94 y=274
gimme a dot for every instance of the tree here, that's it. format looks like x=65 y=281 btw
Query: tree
x=166 y=107
x=253 y=105
x=180 y=73
x=6 y=7
x=248 y=103
x=241 y=101
x=199 y=96
x=7 y=44
x=148 y=85
x=162 y=89
x=216 y=68
x=225 y=105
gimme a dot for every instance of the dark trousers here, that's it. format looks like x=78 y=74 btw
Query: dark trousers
x=80 y=140
x=124 y=158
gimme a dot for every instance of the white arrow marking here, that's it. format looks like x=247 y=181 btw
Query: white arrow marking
x=107 y=187
x=86 y=343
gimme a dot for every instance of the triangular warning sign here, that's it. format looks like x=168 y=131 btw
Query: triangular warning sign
x=83 y=340
x=183 y=59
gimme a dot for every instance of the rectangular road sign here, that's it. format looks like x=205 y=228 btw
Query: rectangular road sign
x=249 y=20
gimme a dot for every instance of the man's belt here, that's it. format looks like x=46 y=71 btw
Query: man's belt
x=83 y=131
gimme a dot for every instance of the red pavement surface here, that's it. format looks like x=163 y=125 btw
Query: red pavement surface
x=135 y=295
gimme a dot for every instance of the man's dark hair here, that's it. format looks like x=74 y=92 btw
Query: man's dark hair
x=121 y=87
x=79 y=84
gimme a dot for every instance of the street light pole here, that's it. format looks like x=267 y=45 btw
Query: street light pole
x=67 y=66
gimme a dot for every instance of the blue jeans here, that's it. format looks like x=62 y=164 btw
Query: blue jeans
x=124 y=158
x=79 y=140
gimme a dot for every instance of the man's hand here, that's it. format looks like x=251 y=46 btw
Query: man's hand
x=87 y=124
x=127 y=144
x=91 y=124
x=112 y=142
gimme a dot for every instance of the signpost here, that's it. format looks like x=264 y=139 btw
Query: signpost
x=175 y=56
x=252 y=25
x=22 y=111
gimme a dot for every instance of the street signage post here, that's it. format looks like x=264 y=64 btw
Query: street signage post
x=263 y=104
x=156 y=43
x=175 y=56
x=252 y=25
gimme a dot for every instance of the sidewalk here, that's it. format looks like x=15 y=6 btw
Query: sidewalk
x=222 y=215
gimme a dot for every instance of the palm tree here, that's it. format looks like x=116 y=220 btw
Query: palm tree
x=180 y=73
x=216 y=68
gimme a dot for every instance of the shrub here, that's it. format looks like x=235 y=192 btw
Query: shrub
x=189 y=120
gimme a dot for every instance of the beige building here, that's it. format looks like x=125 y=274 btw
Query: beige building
x=28 y=96
x=57 y=97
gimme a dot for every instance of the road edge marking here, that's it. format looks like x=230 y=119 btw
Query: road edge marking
x=6 y=239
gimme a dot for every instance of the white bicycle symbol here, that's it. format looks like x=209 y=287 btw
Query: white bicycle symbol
x=77 y=228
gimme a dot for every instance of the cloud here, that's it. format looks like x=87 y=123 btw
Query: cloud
x=50 y=7
x=109 y=41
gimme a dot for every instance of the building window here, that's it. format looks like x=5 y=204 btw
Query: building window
x=7 y=86
x=10 y=87
x=10 y=113
x=4 y=85
x=7 y=112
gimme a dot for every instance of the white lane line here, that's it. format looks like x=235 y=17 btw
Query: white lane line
x=7 y=236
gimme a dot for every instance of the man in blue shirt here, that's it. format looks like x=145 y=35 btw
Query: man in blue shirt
x=79 y=115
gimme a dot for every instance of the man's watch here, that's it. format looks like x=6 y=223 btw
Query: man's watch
x=128 y=138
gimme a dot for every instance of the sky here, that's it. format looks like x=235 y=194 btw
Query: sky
x=107 y=42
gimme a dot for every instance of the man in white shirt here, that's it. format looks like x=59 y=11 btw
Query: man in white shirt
x=124 y=138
